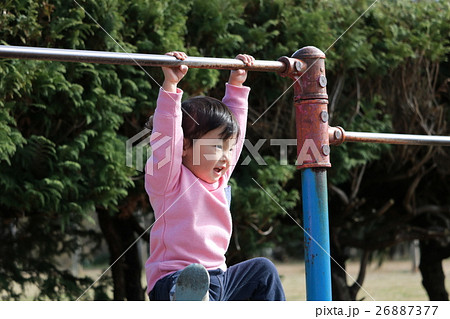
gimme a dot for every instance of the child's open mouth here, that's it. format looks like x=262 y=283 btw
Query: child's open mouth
x=218 y=169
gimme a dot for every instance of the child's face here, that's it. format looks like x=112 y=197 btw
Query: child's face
x=209 y=157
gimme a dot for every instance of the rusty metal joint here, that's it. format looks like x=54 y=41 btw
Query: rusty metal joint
x=336 y=135
x=294 y=67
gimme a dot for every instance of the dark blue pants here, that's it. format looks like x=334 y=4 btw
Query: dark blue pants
x=254 y=279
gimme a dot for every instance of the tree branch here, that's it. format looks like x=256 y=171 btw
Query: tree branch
x=361 y=275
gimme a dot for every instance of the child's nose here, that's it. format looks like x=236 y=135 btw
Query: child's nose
x=226 y=156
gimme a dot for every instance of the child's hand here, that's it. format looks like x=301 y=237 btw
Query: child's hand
x=238 y=77
x=174 y=75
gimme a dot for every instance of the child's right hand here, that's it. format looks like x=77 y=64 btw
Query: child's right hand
x=173 y=75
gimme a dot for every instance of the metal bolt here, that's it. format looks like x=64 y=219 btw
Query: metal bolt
x=338 y=134
x=322 y=81
x=324 y=116
x=325 y=150
x=298 y=66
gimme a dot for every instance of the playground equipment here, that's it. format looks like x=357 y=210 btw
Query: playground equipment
x=314 y=136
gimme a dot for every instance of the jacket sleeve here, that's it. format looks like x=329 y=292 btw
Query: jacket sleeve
x=163 y=167
x=236 y=98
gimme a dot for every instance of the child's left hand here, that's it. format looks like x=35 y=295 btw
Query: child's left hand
x=238 y=77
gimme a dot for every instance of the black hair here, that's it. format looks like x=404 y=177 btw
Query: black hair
x=202 y=114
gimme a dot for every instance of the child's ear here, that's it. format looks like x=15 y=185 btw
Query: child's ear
x=186 y=144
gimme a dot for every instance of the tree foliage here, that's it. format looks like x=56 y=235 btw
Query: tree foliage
x=63 y=157
x=63 y=127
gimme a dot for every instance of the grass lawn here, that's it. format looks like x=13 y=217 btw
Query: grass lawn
x=394 y=280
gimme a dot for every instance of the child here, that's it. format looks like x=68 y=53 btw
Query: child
x=195 y=146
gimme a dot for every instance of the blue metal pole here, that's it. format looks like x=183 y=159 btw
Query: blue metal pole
x=317 y=238
x=313 y=157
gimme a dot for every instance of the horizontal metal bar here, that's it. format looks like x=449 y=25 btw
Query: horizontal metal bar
x=405 y=139
x=103 y=57
x=337 y=135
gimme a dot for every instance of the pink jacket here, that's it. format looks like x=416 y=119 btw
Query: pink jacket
x=193 y=221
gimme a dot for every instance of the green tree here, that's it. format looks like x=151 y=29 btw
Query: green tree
x=63 y=157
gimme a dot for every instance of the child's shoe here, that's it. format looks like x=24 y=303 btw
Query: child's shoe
x=192 y=284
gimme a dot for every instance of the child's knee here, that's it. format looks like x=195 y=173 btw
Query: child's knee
x=265 y=264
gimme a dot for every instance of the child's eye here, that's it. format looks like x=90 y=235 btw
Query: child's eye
x=219 y=147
